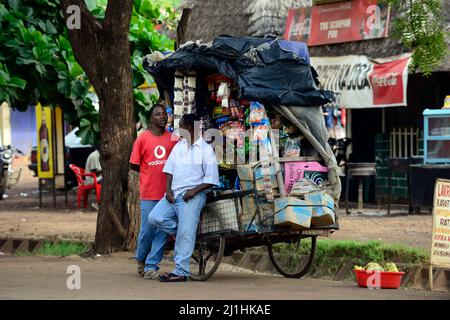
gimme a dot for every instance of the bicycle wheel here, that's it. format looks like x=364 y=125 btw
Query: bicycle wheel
x=291 y=263
x=208 y=252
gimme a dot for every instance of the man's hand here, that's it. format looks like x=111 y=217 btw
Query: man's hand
x=190 y=194
x=170 y=197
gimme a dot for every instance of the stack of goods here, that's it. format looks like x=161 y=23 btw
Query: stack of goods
x=292 y=213
x=260 y=125
x=228 y=116
x=247 y=175
x=323 y=209
x=295 y=171
x=184 y=95
x=316 y=210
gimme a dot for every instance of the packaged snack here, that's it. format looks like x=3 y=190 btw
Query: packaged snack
x=291 y=148
x=257 y=113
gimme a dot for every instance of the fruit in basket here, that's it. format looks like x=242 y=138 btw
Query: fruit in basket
x=391 y=267
x=358 y=268
x=373 y=266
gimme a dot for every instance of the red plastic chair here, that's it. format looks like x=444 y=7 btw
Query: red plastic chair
x=85 y=188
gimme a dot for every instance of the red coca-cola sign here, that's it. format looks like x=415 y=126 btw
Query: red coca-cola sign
x=386 y=80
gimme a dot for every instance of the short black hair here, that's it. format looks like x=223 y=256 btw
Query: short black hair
x=154 y=107
x=188 y=119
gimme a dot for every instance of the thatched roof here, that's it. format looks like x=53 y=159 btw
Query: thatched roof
x=268 y=17
x=213 y=18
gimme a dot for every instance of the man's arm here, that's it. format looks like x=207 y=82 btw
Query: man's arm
x=169 y=193
x=194 y=191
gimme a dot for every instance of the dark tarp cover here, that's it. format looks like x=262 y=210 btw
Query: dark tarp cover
x=266 y=69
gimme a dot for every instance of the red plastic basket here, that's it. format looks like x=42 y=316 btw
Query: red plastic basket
x=378 y=279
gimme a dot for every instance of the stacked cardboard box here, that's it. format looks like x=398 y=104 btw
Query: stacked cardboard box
x=292 y=213
x=245 y=173
x=323 y=209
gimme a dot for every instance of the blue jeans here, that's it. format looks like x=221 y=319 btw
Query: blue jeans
x=181 y=219
x=151 y=242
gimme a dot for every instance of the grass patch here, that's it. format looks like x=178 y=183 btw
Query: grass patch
x=60 y=249
x=332 y=254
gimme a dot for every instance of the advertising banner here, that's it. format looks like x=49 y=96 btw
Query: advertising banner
x=360 y=82
x=440 y=247
x=44 y=142
x=338 y=22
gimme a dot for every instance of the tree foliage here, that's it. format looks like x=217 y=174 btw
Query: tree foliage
x=37 y=63
x=420 y=26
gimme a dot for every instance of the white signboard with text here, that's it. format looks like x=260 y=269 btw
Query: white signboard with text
x=440 y=247
x=361 y=82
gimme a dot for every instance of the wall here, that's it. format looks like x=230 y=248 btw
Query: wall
x=399 y=180
x=23 y=129
x=5 y=125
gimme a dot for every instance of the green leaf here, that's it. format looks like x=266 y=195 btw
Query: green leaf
x=50 y=27
x=85 y=122
x=3 y=12
x=17 y=83
x=91 y=4
x=14 y=4
x=86 y=134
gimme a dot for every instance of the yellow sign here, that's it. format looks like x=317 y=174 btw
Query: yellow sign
x=44 y=142
x=440 y=247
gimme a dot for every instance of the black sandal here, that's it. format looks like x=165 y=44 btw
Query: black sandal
x=171 y=277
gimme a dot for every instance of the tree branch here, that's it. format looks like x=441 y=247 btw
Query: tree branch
x=182 y=27
x=85 y=40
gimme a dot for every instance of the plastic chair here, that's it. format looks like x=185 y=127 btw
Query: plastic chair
x=85 y=188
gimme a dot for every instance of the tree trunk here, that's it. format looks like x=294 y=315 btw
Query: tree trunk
x=134 y=210
x=103 y=50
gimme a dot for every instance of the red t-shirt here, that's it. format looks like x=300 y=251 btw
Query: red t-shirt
x=150 y=152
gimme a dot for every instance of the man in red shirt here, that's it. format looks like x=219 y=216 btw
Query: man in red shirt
x=150 y=152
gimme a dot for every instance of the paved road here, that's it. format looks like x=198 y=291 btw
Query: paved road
x=112 y=278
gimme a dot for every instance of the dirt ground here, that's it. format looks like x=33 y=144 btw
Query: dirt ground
x=21 y=217
x=115 y=277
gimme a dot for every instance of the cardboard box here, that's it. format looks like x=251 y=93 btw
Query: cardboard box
x=297 y=170
x=292 y=213
x=249 y=209
x=245 y=173
x=323 y=214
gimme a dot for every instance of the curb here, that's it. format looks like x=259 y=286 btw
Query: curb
x=13 y=245
x=416 y=276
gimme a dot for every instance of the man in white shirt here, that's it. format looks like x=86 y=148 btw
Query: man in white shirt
x=191 y=169
x=93 y=166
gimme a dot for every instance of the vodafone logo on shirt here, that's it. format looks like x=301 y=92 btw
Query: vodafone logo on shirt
x=159 y=152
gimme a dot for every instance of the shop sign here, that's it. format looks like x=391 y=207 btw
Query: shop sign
x=360 y=82
x=440 y=246
x=44 y=142
x=338 y=22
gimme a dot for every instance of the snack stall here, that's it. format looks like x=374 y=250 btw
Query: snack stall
x=259 y=106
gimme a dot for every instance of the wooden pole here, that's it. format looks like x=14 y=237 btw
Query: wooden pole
x=430 y=277
x=276 y=161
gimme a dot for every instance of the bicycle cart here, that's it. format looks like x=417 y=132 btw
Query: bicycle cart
x=212 y=246
x=241 y=85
